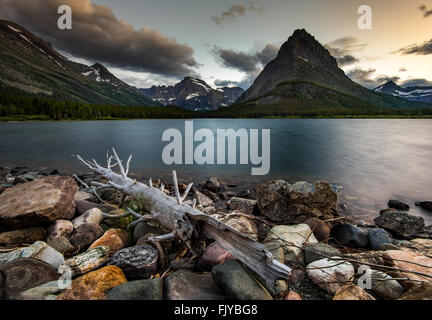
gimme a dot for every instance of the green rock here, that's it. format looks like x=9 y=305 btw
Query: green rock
x=237 y=283
x=150 y=289
x=319 y=251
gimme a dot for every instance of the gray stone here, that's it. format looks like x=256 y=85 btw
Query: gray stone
x=401 y=224
x=62 y=245
x=385 y=287
x=242 y=205
x=212 y=184
x=377 y=238
x=139 y=262
x=398 y=205
x=85 y=235
x=41 y=292
x=92 y=216
x=138 y=290
x=187 y=285
x=319 y=251
x=237 y=283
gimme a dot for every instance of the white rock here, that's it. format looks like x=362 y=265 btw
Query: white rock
x=94 y=215
x=38 y=250
x=331 y=275
x=61 y=228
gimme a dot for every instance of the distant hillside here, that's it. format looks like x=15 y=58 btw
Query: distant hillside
x=305 y=75
x=30 y=66
x=416 y=93
x=194 y=94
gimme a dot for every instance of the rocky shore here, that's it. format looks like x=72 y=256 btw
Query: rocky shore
x=61 y=239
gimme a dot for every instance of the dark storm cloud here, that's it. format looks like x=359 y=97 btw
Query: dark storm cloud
x=418 y=49
x=97 y=35
x=425 y=10
x=343 y=49
x=417 y=82
x=364 y=78
x=235 y=11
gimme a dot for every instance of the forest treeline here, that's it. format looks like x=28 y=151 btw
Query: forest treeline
x=38 y=108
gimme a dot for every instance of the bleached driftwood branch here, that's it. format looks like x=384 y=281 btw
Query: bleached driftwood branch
x=187 y=223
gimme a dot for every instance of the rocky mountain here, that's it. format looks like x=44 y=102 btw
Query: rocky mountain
x=194 y=94
x=305 y=75
x=30 y=66
x=416 y=93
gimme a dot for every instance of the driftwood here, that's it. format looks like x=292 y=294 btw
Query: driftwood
x=185 y=221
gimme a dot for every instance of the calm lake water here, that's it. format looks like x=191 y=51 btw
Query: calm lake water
x=374 y=160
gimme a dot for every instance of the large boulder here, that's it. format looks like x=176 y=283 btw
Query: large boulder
x=291 y=239
x=139 y=262
x=38 y=202
x=237 y=283
x=23 y=236
x=330 y=275
x=401 y=224
x=282 y=202
x=150 y=289
x=94 y=285
x=349 y=235
x=187 y=285
x=25 y=273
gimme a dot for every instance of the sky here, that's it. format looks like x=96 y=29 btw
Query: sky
x=156 y=42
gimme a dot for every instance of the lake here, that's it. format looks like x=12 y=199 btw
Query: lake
x=374 y=160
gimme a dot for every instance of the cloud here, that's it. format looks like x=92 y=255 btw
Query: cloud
x=425 y=10
x=99 y=36
x=416 y=82
x=366 y=79
x=344 y=48
x=249 y=63
x=418 y=49
x=403 y=69
x=236 y=11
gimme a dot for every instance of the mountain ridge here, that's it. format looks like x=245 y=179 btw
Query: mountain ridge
x=411 y=93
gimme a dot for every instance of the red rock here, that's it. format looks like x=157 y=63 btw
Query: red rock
x=293 y=296
x=213 y=255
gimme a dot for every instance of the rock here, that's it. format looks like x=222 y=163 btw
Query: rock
x=237 y=283
x=186 y=263
x=242 y=205
x=352 y=292
x=276 y=250
x=293 y=296
x=377 y=238
x=111 y=195
x=385 y=287
x=319 y=251
x=213 y=255
x=320 y=229
x=38 y=202
x=212 y=184
x=38 y=250
x=41 y=292
x=284 y=203
x=398 y=205
x=426 y=205
x=297 y=235
x=227 y=195
x=61 y=228
x=244 y=226
x=401 y=224
x=349 y=235
x=85 y=235
x=137 y=262
x=82 y=206
x=213 y=196
x=143 y=229
x=419 y=292
x=420 y=246
x=82 y=195
x=388 y=210
x=368 y=257
x=25 y=273
x=114 y=239
x=388 y=246
x=24 y=236
x=409 y=261
x=138 y=290
x=202 y=199
x=62 y=245
x=330 y=275
x=94 y=216
x=20 y=180
x=94 y=285
x=187 y=285
x=87 y=261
